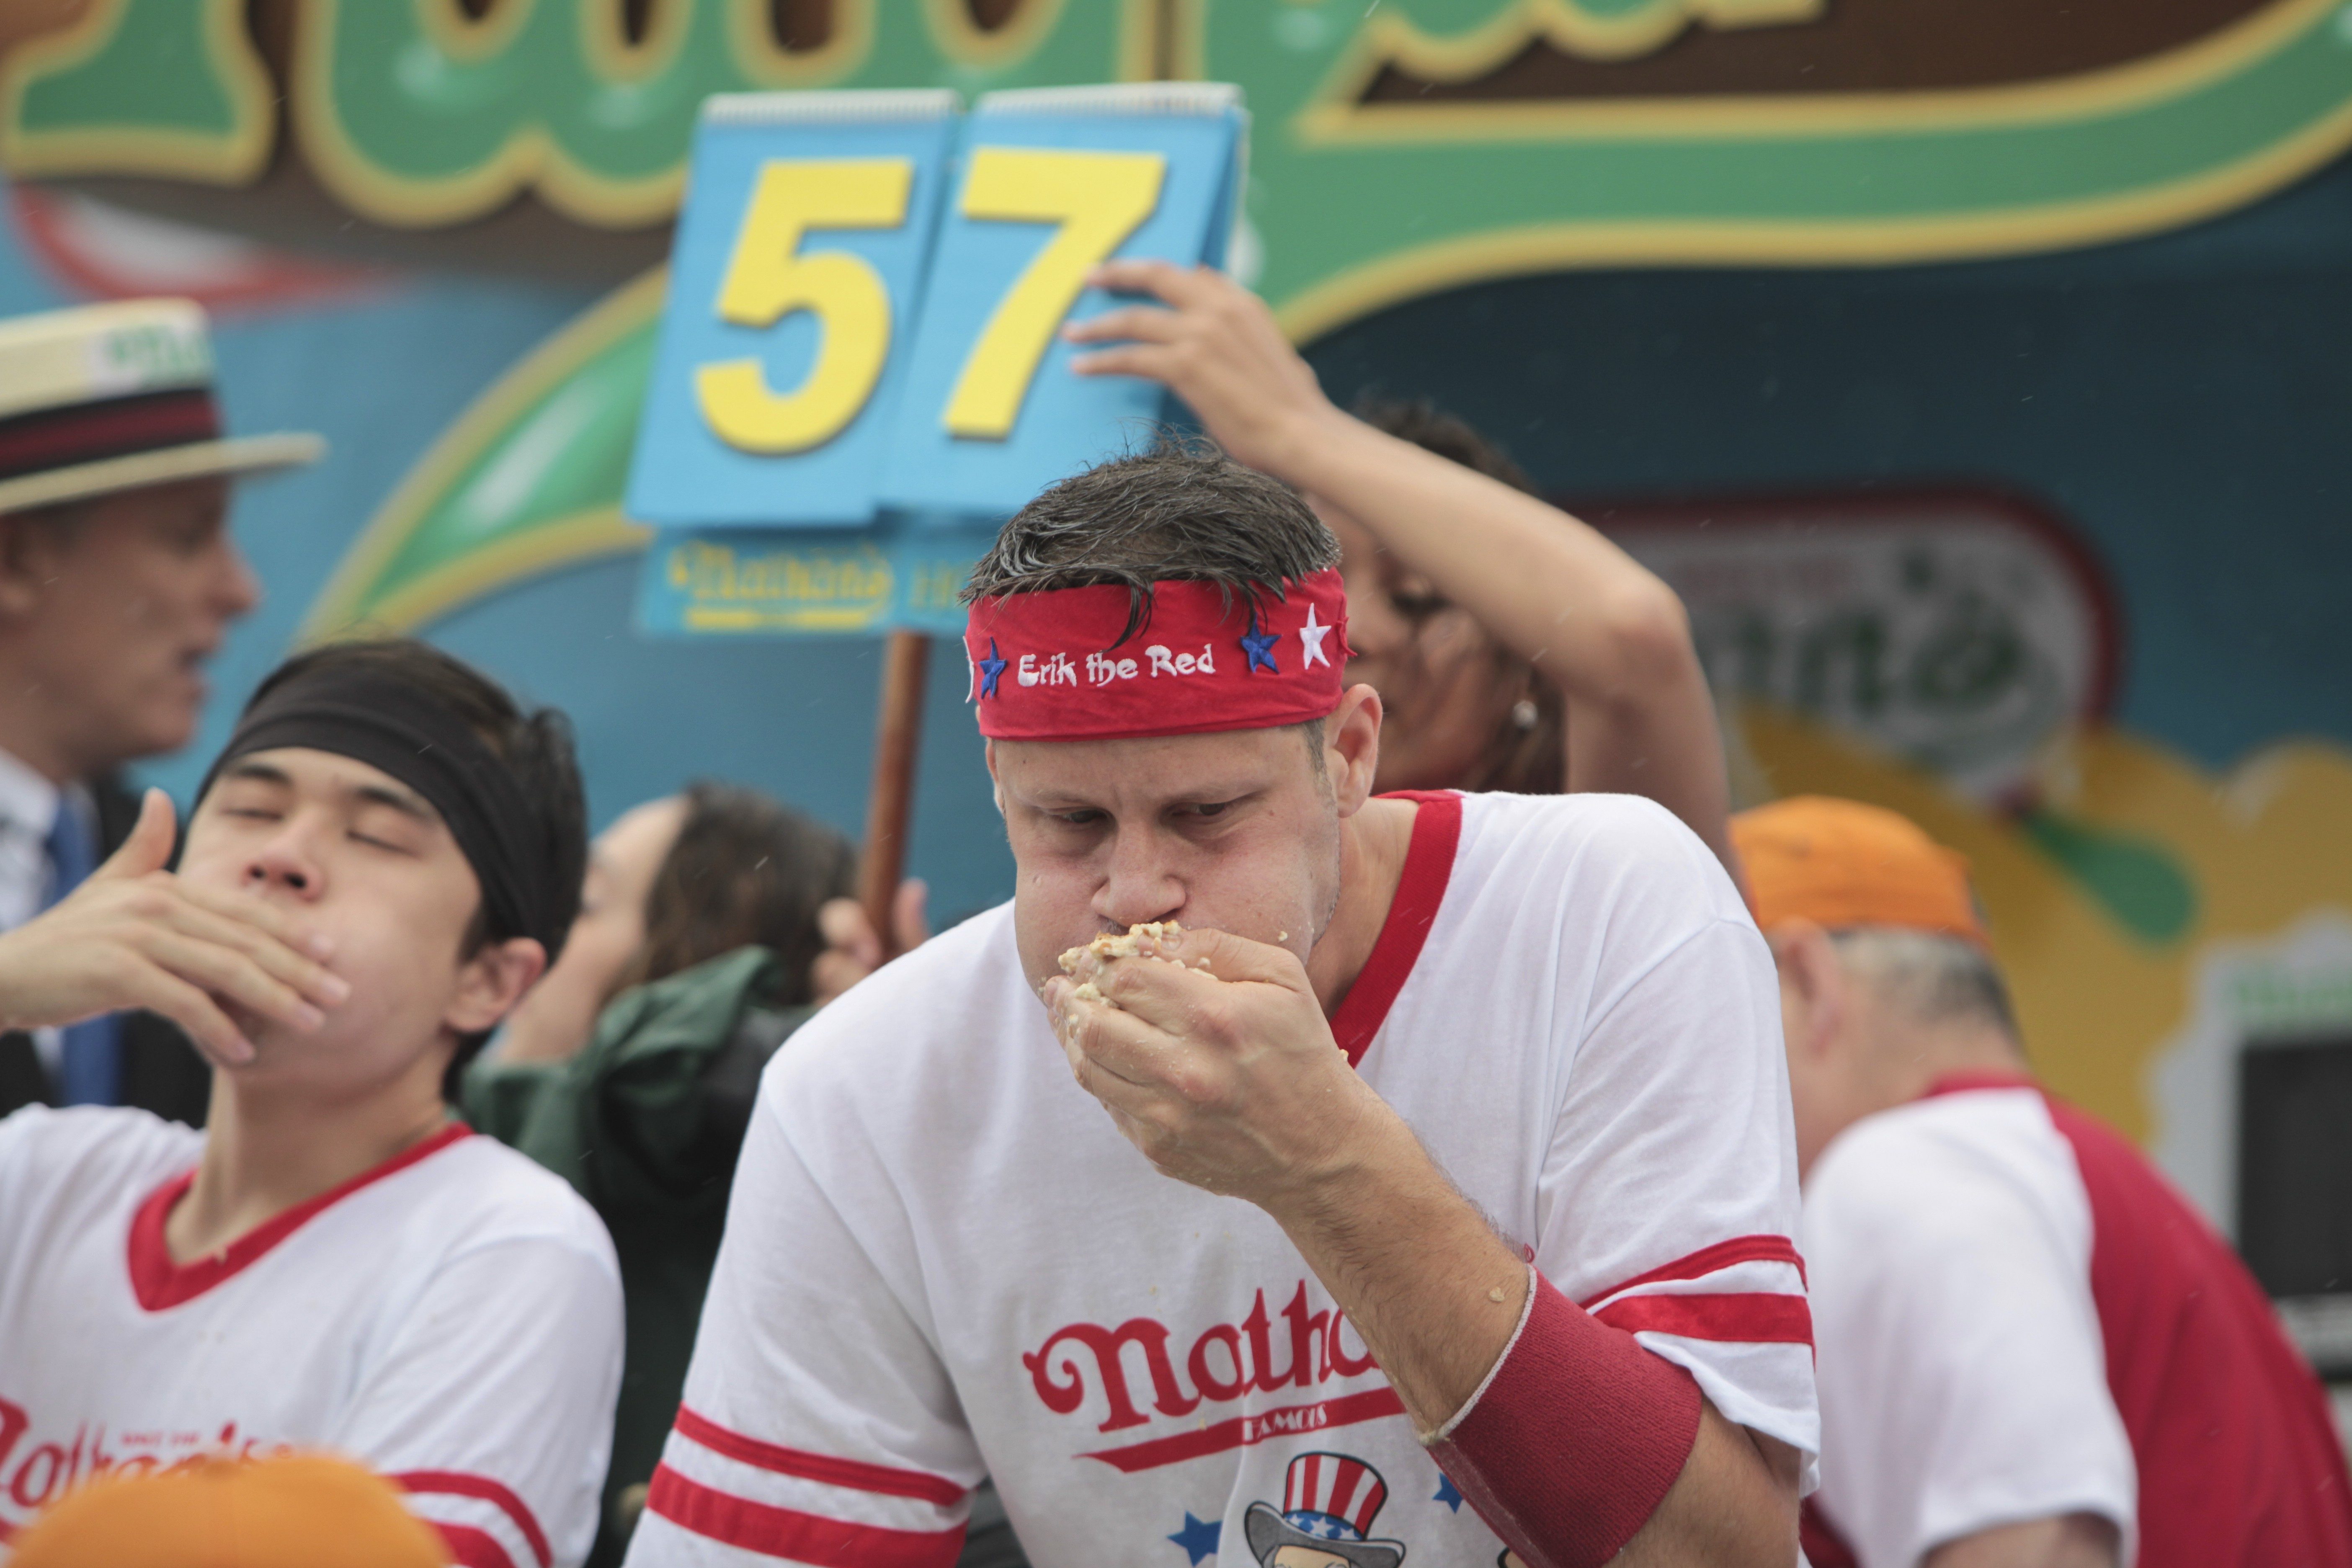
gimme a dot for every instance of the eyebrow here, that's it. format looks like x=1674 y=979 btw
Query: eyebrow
x=404 y=802
x=260 y=772
x=399 y=799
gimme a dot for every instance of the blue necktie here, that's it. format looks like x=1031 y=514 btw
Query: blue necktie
x=91 y=1070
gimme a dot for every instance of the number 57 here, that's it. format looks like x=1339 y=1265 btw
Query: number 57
x=1096 y=200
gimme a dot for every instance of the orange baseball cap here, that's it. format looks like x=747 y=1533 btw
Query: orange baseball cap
x=1840 y=863
x=297 y=1510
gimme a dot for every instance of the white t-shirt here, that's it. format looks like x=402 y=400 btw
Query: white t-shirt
x=1963 y=1373
x=451 y=1318
x=943 y=1261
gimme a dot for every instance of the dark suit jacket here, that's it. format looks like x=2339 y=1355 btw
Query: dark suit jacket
x=161 y=1072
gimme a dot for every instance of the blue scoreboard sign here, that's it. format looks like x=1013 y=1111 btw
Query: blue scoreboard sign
x=862 y=343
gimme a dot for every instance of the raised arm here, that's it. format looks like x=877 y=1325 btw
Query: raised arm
x=1591 y=619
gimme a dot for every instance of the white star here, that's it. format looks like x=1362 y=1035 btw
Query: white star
x=1310 y=638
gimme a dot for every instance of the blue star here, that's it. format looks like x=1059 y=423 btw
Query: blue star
x=1259 y=646
x=991 y=669
x=1199 y=1537
x=1446 y=1493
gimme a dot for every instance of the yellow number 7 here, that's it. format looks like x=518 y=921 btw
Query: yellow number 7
x=767 y=277
x=1098 y=198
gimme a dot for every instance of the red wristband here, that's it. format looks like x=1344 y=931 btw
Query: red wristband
x=1575 y=1439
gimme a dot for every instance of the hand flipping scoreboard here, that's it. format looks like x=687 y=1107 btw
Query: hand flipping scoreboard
x=862 y=330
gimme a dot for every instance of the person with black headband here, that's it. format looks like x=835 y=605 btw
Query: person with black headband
x=384 y=857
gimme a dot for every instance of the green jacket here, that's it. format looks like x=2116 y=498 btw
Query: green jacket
x=648 y=1121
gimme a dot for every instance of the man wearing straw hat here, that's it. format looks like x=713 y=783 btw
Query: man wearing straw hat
x=117 y=580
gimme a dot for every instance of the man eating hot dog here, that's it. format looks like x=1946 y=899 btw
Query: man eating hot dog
x=1474 y=1108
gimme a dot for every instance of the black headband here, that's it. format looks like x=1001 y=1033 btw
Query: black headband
x=390 y=724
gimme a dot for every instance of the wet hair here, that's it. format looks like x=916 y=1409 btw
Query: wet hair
x=1929 y=977
x=744 y=870
x=1181 y=512
x=1524 y=759
x=536 y=748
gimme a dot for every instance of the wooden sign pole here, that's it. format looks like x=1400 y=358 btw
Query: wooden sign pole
x=897 y=736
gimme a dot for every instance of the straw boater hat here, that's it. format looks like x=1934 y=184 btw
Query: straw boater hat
x=1328 y=1503
x=111 y=397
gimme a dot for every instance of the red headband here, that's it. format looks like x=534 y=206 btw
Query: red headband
x=1043 y=667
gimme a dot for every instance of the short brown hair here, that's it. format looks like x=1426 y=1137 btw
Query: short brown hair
x=1181 y=512
x=743 y=871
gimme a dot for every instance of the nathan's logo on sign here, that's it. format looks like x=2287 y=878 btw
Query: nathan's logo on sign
x=1085 y=1366
x=721 y=588
x=1961 y=630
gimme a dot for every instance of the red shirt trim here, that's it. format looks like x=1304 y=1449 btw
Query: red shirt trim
x=457 y=1483
x=789 y=1533
x=1754 y=1317
x=471 y=1548
x=1428 y=868
x=854 y=1474
x=160 y=1283
x=1707 y=1259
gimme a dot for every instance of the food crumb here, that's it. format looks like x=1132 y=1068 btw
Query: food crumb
x=1128 y=946
x=1495 y=1294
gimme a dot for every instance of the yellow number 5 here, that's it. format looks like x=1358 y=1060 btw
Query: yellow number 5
x=1098 y=198
x=767 y=277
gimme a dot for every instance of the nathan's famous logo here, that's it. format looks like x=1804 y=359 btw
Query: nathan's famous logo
x=725 y=588
x=36 y=1473
x=1228 y=1362
x=1102 y=669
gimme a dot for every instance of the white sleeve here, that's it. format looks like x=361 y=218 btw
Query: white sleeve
x=819 y=1425
x=1963 y=1374
x=492 y=1406
x=1668 y=1195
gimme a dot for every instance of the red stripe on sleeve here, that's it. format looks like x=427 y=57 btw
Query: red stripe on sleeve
x=1576 y=1439
x=457 y=1483
x=854 y=1474
x=1756 y=1318
x=1707 y=1259
x=802 y=1537
x=471 y=1548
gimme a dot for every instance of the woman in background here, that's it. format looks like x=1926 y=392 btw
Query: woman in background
x=1513 y=646
x=630 y=1068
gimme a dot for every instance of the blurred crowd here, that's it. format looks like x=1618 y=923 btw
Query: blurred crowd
x=2024 y=1348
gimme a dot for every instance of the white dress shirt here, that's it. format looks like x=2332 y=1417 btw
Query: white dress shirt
x=29 y=809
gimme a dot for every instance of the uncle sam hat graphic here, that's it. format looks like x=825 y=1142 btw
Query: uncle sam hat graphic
x=1329 y=1502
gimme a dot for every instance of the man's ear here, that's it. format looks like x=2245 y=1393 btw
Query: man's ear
x=30 y=547
x=995 y=784
x=492 y=981
x=1352 y=748
x=1814 y=983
